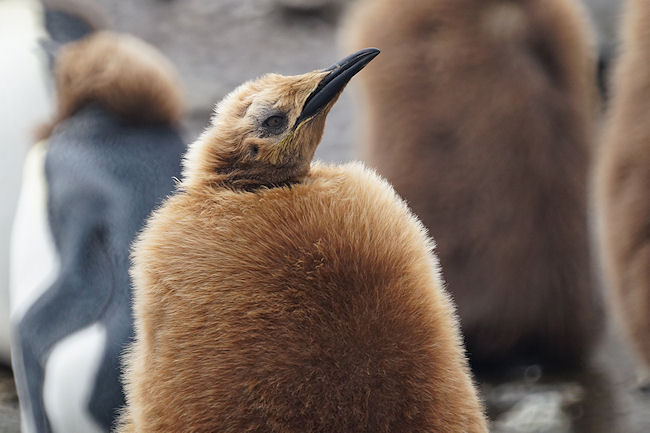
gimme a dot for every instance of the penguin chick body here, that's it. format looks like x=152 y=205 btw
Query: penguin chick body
x=271 y=296
x=481 y=116
x=623 y=184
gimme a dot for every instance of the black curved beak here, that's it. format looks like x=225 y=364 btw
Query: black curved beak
x=339 y=75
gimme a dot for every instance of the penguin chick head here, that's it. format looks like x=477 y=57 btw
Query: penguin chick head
x=266 y=131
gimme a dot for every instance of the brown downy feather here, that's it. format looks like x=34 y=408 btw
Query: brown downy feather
x=622 y=184
x=123 y=74
x=481 y=114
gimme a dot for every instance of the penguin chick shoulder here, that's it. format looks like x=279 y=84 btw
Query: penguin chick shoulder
x=623 y=185
x=276 y=296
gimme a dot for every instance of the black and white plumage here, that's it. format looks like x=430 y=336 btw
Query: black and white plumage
x=87 y=191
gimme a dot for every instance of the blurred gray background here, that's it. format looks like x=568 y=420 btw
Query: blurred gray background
x=217 y=45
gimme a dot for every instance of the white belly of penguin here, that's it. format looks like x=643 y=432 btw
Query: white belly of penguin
x=73 y=362
x=70 y=374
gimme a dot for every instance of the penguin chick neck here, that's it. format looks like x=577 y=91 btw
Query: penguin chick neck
x=265 y=132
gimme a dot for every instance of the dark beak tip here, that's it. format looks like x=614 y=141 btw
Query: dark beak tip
x=372 y=51
x=362 y=57
x=369 y=54
x=333 y=83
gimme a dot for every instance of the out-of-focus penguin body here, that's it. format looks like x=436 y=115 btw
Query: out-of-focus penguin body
x=23 y=103
x=481 y=116
x=102 y=170
x=623 y=184
x=275 y=297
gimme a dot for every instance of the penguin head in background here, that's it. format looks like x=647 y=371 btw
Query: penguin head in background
x=265 y=132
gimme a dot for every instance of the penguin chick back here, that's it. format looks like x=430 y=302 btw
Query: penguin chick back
x=122 y=73
x=481 y=115
x=316 y=307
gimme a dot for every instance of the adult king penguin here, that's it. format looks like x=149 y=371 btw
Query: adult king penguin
x=623 y=185
x=481 y=116
x=110 y=157
x=273 y=295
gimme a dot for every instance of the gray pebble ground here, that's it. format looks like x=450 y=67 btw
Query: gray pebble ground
x=216 y=45
x=9 y=418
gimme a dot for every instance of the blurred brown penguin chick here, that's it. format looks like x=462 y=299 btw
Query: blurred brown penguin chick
x=275 y=296
x=481 y=116
x=622 y=185
x=100 y=68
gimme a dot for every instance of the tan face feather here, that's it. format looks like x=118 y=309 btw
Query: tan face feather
x=236 y=144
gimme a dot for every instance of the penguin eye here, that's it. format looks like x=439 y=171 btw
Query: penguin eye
x=275 y=122
x=253 y=150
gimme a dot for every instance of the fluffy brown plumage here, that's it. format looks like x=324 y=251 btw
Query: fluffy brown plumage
x=481 y=115
x=623 y=183
x=123 y=74
x=275 y=296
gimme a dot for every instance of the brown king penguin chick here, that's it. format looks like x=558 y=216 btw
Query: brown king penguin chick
x=275 y=296
x=622 y=182
x=481 y=115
